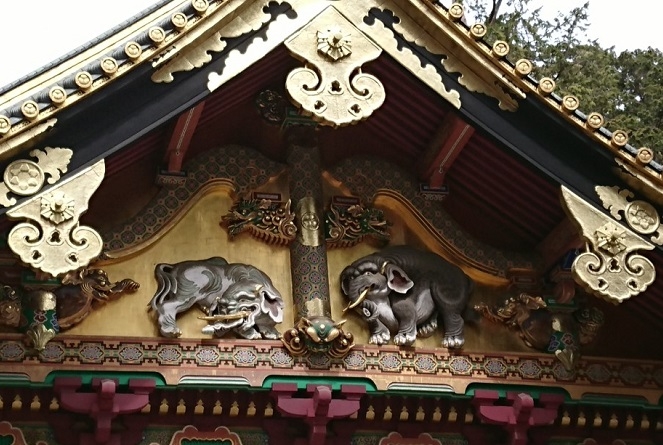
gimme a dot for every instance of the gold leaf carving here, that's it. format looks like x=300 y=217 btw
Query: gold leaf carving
x=195 y=56
x=641 y=216
x=611 y=268
x=473 y=82
x=53 y=161
x=53 y=241
x=276 y=31
x=386 y=39
x=334 y=95
x=24 y=177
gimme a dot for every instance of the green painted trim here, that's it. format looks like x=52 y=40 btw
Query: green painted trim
x=122 y=377
x=502 y=389
x=335 y=383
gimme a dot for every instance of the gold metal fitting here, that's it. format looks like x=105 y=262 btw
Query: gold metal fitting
x=546 y=86
x=109 y=66
x=5 y=125
x=456 y=12
x=30 y=109
x=157 y=35
x=200 y=6
x=523 y=67
x=500 y=48
x=133 y=50
x=478 y=30
x=83 y=80
x=645 y=155
x=570 y=103
x=57 y=95
x=179 y=20
x=619 y=138
x=595 y=120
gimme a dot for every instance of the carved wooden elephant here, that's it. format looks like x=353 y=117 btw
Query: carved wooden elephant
x=236 y=297
x=402 y=290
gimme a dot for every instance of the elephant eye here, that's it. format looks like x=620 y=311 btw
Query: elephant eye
x=368 y=272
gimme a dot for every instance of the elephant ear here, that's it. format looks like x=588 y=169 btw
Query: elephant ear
x=346 y=276
x=397 y=279
x=271 y=305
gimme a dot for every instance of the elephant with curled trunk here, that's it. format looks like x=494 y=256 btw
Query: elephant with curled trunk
x=236 y=297
x=401 y=290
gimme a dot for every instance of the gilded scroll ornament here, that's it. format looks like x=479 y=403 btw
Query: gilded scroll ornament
x=52 y=239
x=270 y=221
x=195 y=56
x=24 y=177
x=611 y=268
x=641 y=216
x=337 y=93
x=41 y=323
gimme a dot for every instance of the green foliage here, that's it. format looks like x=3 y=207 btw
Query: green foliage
x=626 y=88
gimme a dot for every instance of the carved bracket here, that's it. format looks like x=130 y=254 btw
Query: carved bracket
x=610 y=268
x=520 y=415
x=103 y=405
x=52 y=240
x=319 y=408
x=338 y=93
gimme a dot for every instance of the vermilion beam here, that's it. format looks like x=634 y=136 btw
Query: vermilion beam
x=181 y=137
x=447 y=145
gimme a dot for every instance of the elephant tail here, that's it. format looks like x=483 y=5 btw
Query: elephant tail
x=469 y=313
x=166 y=285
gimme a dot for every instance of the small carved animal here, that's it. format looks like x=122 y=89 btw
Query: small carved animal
x=82 y=289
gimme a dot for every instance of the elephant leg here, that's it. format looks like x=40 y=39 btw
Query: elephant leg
x=406 y=313
x=427 y=328
x=380 y=335
x=268 y=330
x=453 y=330
x=250 y=333
x=167 y=325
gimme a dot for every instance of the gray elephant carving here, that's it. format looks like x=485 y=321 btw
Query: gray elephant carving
x=401 y=291
x=235 y=297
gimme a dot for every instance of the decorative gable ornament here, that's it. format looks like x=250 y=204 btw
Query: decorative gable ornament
x=51 y=239
x=611 y=268
x=336 y=92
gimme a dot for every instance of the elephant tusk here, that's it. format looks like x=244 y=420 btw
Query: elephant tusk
x=358 y=301
x=384 y=265
x=226 y=317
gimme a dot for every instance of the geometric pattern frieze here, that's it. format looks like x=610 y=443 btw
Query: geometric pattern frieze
x=382 y=365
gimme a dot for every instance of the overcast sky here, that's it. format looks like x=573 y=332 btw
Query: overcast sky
x=36 y=32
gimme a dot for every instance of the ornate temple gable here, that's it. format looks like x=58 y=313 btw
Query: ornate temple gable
x=187 y=35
